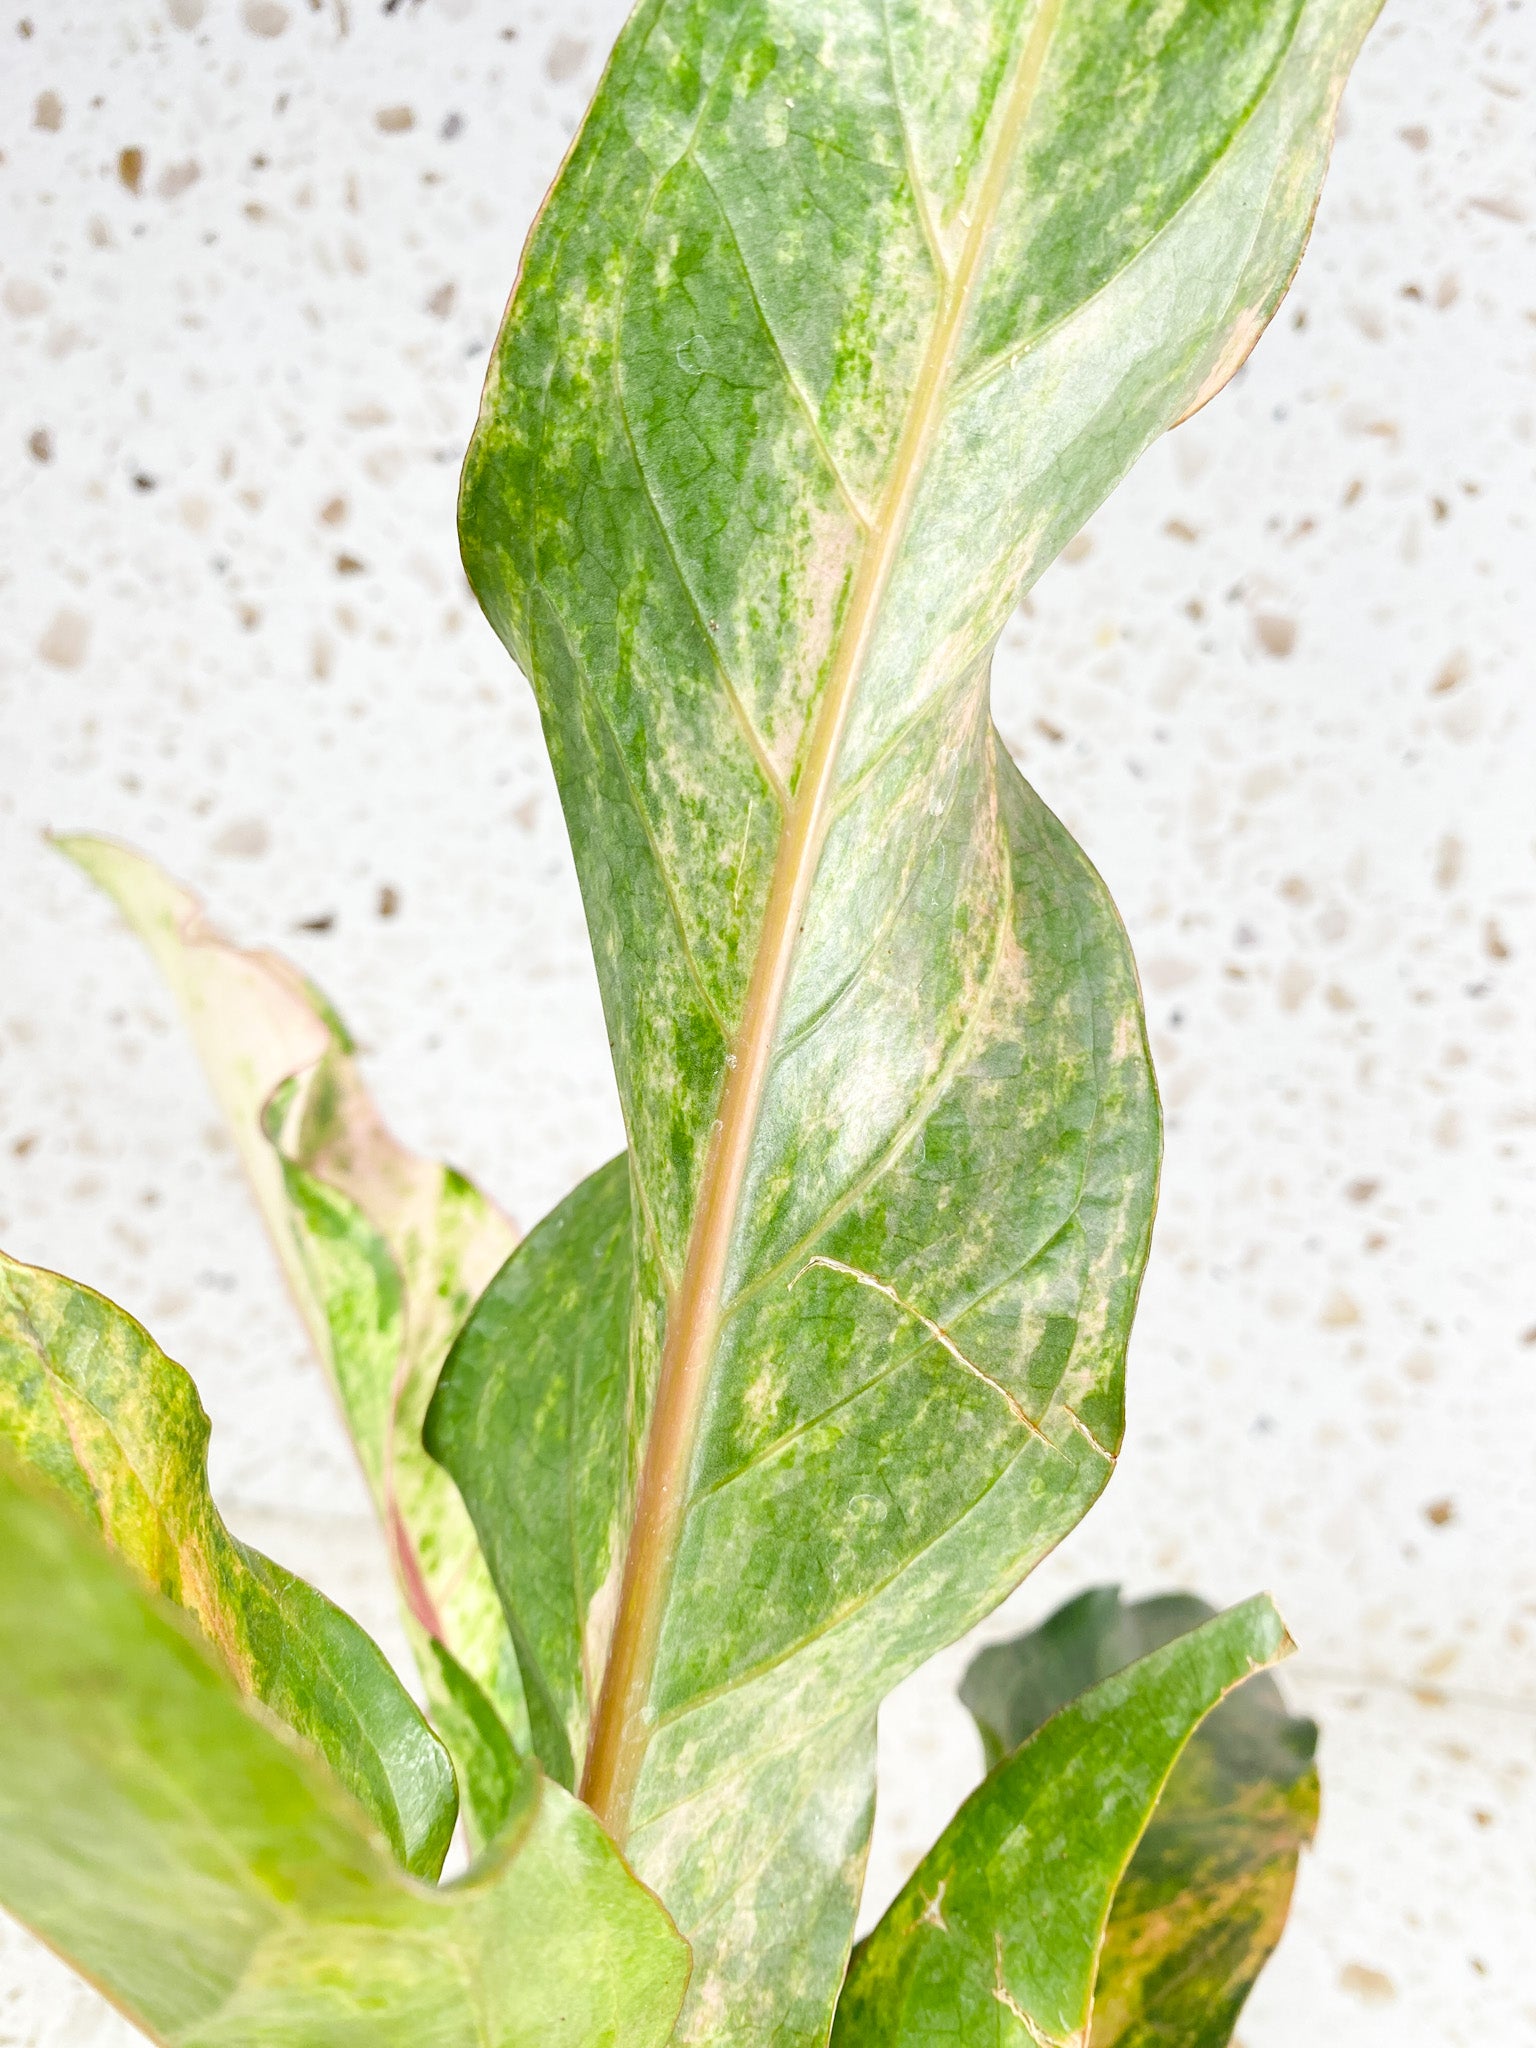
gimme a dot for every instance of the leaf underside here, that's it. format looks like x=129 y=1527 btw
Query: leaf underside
x=838 y=323
x=222 y=1889
x=1204 y=1902
x=997 y=1936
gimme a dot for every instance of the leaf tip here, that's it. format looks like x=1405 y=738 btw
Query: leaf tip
x=1272 y=1640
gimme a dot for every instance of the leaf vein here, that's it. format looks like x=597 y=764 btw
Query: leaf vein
x=832 y=1622
x=936 y=1331
x=904 y=1133
x=1005 y=359
x=858 y=512
x=909 y=152
x=663 y=872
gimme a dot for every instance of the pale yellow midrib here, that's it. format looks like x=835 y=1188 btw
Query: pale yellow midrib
x=619 y=1736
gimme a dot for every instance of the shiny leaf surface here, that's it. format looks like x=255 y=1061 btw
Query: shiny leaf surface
x=93 y=1406
x=384 y=1253
x=837 y=324
x=996 y=1937
x=1205 y=1899
x=225 y=1893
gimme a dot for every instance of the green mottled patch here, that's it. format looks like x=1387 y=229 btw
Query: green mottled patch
x=94 y=1407
x=997 y=1935
x=226 y=1893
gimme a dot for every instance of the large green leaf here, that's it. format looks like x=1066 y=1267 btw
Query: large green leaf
x=384 y=1252
x=996 y=1936
x=839 y=321
x=91 y=1404
x=1204 y=1901
x=226 y=1894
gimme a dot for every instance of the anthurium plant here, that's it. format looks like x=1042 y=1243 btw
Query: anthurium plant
x=840 y=319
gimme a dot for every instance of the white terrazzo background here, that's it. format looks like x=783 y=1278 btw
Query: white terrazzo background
x=1281 y=691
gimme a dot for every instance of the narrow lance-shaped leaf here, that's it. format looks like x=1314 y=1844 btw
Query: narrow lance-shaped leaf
x=838 y=323
x=92 y=1405
x=996 y=1937
x=384 y=1253
x=1204 y=1901
x=225 y=1893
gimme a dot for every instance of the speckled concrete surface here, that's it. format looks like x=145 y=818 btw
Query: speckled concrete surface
x=252 y=261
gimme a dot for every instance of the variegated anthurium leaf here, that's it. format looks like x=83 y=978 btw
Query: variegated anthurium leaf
x=1204 y=1902
x=840 y=319
x=225 y=1893
x=90 y=1403
x=384 y=1253
x=996 y=1936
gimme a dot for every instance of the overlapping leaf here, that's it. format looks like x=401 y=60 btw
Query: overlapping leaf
x=224 y=1892
x=384 y=1252
x=1204 y=1901
x=997 y=1935
x=838 y=323
x=536 y=1417
x=93 y=1406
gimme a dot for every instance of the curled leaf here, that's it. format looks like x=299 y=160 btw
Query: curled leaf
x=997 y=1934
x=94 y=1407
x=384 y=1251
x=1204 y=1902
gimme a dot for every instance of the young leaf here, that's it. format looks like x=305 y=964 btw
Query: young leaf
x=384 y=1252
x=91 y=1404
x=996 y=1936
x=224 y=1893
x=838 y=322
x=1204 y=1901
